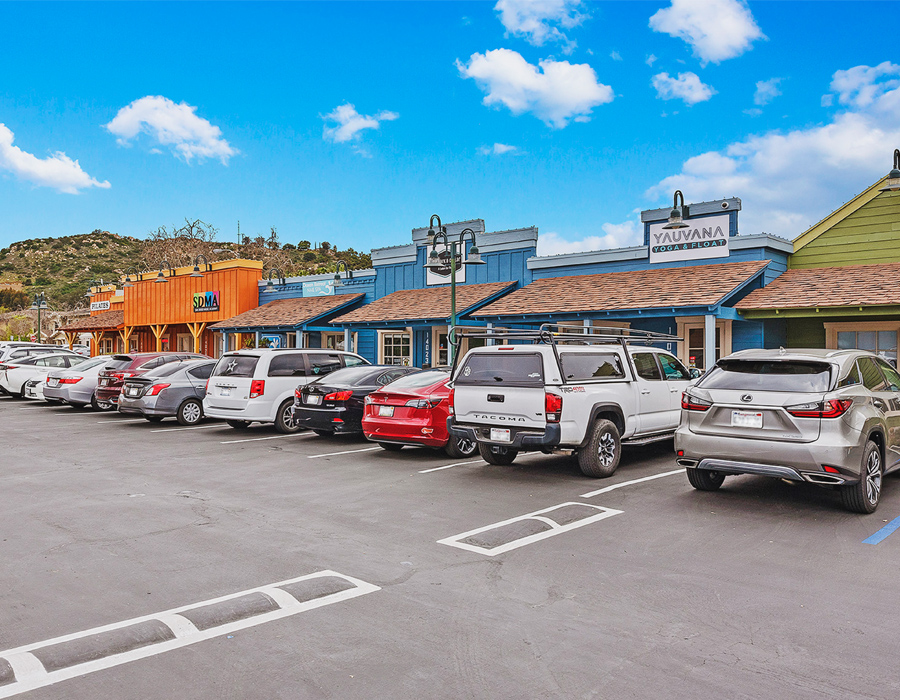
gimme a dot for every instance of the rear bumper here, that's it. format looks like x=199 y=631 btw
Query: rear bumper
x=338 y=420
x=108 y=394
x=520 y=438
x=405 y=431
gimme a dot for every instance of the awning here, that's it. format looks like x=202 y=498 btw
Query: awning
x=106 y=321
x=845 y=290
x=423 y=306
x=666 y=289
x=286 y=314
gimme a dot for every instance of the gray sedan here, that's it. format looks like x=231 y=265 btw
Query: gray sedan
x=174 y=389
x=75 y=386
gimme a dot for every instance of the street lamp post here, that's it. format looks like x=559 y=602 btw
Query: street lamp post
x=893 y=178
x=454 y=248
x=337 y=274
x=39 y=304
x=270 y=285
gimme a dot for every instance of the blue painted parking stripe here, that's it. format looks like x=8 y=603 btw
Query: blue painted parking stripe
x=883 y=532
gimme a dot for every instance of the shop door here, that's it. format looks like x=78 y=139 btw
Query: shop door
x=695 y=354
x=184 y=342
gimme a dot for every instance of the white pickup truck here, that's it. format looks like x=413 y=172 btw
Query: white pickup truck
x=566 y=392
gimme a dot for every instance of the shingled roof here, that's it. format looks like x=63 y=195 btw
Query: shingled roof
x=431 y=303
x=287 y=312
x=697 y=285
x=107 y=321
x=818 y=287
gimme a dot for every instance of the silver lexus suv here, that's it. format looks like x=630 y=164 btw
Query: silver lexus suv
x=828 y=417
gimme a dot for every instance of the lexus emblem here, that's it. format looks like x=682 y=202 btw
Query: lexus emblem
x=747 y=398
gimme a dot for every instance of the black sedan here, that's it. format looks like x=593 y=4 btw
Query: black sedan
x=335 y=403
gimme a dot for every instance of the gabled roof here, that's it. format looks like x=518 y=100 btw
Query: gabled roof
x=820 y=287
x=288 y=312
x=422 y=304
x=839 y=214
x=107 y=321
x=697 y=285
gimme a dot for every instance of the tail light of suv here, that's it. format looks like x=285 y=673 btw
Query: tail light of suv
x=692 y=403
x=552 y=407
x=257 y=388
x=832 y=408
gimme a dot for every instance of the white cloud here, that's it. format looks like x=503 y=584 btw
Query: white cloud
x=555 y=91
x=687 y=87
x=790 y=180
x=766 y=91
x=616 y=56
x=348 y=124
x=629 y=233
x=827 y=100
x=715 y=29
x=534 y=19
x=56 y=170
x=651 y=59
x=170 y=124
x=499 y=149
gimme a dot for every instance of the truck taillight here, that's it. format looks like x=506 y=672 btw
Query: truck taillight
x=156 y=388
x=450 y=405
x=692 y=403
x=257 y=388
x=552 y=407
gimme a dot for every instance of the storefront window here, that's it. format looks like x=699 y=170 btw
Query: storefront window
x=333 y=341
x=395 y=349
x=882 y=343
x=695 y=353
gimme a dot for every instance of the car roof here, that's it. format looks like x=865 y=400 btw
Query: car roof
x=797 y=354
x=259 y=352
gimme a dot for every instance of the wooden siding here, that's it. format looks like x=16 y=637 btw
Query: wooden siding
x=869 y=235
x=149 y=303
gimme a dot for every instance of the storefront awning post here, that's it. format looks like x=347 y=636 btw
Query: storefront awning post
x=347 y=339
x=709 y=341
x=299 y=342
x=489 y=341
x=256 y=339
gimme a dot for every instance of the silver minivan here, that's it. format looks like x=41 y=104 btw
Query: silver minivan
x=826 y=417
x=248 y=386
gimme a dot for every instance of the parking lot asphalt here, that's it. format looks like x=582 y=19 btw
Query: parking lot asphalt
x=648 y=589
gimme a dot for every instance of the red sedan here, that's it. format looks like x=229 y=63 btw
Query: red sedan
x=413 y=411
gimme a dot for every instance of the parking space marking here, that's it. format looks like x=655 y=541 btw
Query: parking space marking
x=345 y=452
x=193 y=427
x=54 y=660
x=607 y=489
x=448 y=466
x=127 y=420
x=879 y=536
x=270 y=437
x=544 y=519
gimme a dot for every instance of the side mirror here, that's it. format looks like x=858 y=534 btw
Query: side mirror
x=696 y=373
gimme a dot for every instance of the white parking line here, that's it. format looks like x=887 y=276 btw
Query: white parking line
x=192 y=427
x=93 y=650
x=345 y=452
x=271 y=437
x=607 y=489
x=128 y=420
x=448 y=466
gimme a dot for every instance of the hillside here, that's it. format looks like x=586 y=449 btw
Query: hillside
x=64 y=267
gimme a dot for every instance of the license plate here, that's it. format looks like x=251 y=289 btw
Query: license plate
x=131 y=391
x=387 y=411
x=312 y=399
x=746 y=419
x=224 y=391
x=52 y=382
x=104 y=382
x=499 y=435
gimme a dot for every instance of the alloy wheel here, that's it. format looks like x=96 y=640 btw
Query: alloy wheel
x=465 y=446
x=606 y=449
x=873 y=476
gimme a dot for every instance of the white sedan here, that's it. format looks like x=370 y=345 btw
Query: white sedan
x=13 y=375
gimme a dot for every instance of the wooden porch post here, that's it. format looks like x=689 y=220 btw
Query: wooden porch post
x=70 y=338
x=158 y=331
x=196 y=330
x=96 y=337
x=125 y=334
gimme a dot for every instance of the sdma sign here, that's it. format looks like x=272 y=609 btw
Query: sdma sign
x=705 y=237
x=206 y=301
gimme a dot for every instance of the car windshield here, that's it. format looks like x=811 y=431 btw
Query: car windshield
x=236 y=366
x=769 y=375
x=419 y=379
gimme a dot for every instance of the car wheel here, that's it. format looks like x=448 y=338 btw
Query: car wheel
x=154 y=419
x=239 y=424
x=190 y=412
x=600 y=457
x=705 y=480
x=323 y=433
x=284 y=421
x=863 y=496
x=101 y=405
x=501 y=456
x=390 y=446
x=460 y=447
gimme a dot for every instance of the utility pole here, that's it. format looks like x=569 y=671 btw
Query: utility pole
x=239 y=231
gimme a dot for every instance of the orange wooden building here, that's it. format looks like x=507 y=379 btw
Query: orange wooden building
x=169 y=310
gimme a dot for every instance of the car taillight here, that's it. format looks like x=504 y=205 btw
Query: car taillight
x=298 y=393
x=422 y=403
x=206 y=390
x=450 y=405
x=257 y=388
x=156 y=388
x=339 y=396
x=552 y=407
x=692 y=403
x=68 y=380
x=821 y=409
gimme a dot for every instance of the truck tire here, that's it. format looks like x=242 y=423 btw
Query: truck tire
x=500 y=456
x=599 y=458
x=705 y=480
x=863 y=496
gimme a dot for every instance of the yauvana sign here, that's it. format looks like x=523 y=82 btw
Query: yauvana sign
x=705 y=237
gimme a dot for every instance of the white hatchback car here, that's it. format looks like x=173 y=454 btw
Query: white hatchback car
x=250 y=386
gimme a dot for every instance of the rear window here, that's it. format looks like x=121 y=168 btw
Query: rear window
x=167 y=370
x=513 y=369
x=585 y=366
x=118 y=363
x=762 y=375
x=419 y=379
x=93 y=362
x=236 y=366
x=352 y=375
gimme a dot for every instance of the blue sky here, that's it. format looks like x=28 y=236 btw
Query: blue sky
x=354 y=122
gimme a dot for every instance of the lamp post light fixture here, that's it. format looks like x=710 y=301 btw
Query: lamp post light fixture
x=39 y=304
x=440 y=229
x=93 y=283
x=454 y=248
x=677 y=215
x=196 y=272
x=160 y=276
x=893 y=178
x=128 y=282
x=337 y=275
x=270 y=286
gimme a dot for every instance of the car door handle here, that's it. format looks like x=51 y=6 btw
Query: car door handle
x=645 y=391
